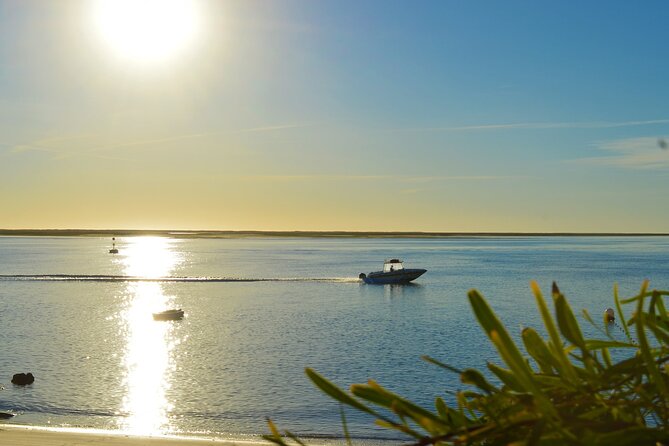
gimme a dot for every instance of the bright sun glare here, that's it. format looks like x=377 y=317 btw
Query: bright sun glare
x=147 y=31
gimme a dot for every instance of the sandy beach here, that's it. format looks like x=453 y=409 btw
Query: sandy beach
x=11 y=435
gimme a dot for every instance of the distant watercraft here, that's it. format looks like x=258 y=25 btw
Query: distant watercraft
x=393 y=272
x=113 y=250
x=169 y=315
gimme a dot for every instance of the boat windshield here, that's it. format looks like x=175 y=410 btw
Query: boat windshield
x=392 y=265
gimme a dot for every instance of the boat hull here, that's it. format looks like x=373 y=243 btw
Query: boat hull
x=392 y=277
x=169 y=315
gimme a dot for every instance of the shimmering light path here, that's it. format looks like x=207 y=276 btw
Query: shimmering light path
x=148 y=358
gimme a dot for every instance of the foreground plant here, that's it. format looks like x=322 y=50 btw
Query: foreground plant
x=569 y=391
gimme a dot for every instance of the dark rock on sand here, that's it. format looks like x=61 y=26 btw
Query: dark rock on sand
x=21 y=379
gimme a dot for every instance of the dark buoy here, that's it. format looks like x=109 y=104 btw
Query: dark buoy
x=609 y=315
x=113 y=250
x=22 y=379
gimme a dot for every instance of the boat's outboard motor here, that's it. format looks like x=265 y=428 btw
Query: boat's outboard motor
x=362 y=276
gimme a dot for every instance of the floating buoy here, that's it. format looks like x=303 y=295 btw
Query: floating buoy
x=113 y=250
x=609 y=315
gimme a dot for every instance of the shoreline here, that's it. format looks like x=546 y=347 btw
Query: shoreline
x=36 y=435
x=304 y=234
x=25 y=435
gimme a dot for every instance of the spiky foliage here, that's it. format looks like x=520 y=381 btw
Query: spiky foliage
x=564 y=390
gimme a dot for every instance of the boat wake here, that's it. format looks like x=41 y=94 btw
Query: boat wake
x=119 y=278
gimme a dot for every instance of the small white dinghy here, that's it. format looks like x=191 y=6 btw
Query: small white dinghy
x=169 y=315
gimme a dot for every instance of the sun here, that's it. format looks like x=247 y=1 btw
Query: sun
x=147 y=31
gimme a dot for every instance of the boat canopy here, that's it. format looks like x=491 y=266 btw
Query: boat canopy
x=392 y=265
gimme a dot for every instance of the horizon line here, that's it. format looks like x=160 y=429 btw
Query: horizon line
x=216 y=233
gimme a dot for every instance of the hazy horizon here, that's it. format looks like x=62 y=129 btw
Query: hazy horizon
x=367 y=116
x=243 y=233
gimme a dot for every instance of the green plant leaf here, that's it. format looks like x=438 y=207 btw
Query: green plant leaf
x=566 y=368
x=276 y=437
x=538 y=350
x=295 y=439
x=632 y=436
x=344 y=424
x=606 y=356
x=373 y=394
x=336 y=393
x=660 y=333
x=474 y=377
x=567 y=322
x=399 y=427
x=621 y=315
x=454 y=418
x=442 y=409
x=425 y=419
x=501 y=339
x=507 y=377
x=441 y=364
x=597 y=344
x=379 y=395
x=644 y=347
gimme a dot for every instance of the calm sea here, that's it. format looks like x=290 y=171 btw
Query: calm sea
x=260 y=310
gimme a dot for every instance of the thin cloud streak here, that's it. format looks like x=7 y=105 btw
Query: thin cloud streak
x=630 y=153
x=197 y=135
x=62 y=154
x=538 y=126
x=42 y=145
x=400 y=179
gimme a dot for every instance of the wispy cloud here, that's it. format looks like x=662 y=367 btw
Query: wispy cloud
x=312 y=177
x=173 y=138
x=631 y=153
x=425 y=179
x=55 y=145
x=49 y=145
x=395 y=178
x=538 y=126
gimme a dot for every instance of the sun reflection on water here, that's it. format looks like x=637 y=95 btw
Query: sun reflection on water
x=149 y=257
x=148 y=358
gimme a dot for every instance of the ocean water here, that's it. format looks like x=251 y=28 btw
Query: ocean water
x=260 y=310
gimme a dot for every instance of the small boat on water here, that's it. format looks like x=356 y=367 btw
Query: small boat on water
x=169 y=315
x=113 y=249
x=393 y=272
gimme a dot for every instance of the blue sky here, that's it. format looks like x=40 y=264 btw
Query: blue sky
x=368 y=115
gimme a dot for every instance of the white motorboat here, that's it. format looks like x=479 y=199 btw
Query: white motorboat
x=393 y=272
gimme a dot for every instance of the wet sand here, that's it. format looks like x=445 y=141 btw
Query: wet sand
x=11 y=435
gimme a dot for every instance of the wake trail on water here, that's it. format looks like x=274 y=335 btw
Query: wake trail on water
x=121 y=278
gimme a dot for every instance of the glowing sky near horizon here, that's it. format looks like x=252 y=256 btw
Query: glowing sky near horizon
x=334 y=115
